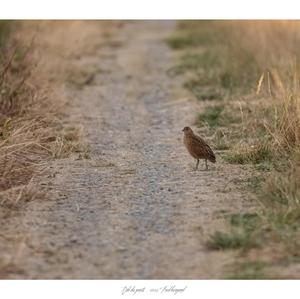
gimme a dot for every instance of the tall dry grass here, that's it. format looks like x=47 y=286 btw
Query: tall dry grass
x=37 y=59
x=256 y=64
x=274 y=46
x=27 y=114
x=251 y=69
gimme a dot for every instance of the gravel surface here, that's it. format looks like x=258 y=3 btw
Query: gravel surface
x=136 y=209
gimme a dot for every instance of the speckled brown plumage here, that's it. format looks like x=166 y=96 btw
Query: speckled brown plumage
x=197 y=147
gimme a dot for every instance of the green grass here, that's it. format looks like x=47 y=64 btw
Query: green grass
x=249 y=270
x=221 y=145
x=217 y=116
x=242 y=236
x=211 y=116
x=203 y=93
x=283 y=191
x=234 y=240
x=194 y=34
x=256 y=155
x=221 y=140
x=254 y=183
x=184 y=41
x=249 y=221
x=213 y=57
x=264 y=166
x=240 y=71
x=5 y=30
x=196 y=61
x=249 y=231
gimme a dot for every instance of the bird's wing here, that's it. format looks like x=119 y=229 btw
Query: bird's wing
x=203 y=148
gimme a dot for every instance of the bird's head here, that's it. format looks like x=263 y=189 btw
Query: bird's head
x=187 y=130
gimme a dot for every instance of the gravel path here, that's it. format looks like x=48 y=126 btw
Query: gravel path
x=136 y=209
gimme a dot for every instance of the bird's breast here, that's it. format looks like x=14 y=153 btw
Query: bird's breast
x=188 y=142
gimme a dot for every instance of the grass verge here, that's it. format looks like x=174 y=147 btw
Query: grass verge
x=31 y=133
x=248 y=71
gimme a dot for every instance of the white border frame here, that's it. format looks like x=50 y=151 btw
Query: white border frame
x=150 y=9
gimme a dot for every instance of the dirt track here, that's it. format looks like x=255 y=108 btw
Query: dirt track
x=136 y=209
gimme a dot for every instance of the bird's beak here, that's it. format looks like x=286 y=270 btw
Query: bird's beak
x=182 y=130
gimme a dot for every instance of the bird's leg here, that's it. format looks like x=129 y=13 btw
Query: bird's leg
x=206 y=167
x=197 y=164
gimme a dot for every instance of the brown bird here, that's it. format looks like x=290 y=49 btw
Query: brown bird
x=197 y=147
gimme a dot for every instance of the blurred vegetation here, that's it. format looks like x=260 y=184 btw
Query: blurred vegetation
x=211 y=55
x=5 y=29
x=250 y=270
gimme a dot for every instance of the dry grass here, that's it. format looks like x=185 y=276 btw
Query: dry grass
x=256 y=64
x=38 y=61
x=25 y=122
x=253 y=66
x=36 y=58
